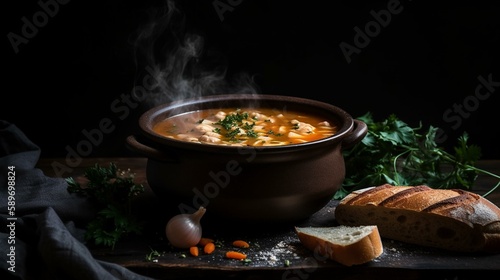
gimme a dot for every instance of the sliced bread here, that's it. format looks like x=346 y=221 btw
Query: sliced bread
x=347 y=245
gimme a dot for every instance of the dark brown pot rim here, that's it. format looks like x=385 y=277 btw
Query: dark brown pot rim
x=157 y=113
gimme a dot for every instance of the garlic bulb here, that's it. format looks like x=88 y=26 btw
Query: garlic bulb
x=184 y=230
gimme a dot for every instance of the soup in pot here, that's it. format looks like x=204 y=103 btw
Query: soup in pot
x=245 y=127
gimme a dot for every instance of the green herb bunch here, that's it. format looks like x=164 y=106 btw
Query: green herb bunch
x=111 y=190
x=392 y=152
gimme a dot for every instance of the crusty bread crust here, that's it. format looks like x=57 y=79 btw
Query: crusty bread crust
x=455 y=220
x=359 y=251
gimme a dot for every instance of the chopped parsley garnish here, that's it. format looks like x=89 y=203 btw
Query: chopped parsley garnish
x=232 y=124
x=252 y=134
x=247 y=126
x=270 y=132
x=233 y=133
x=233 y=120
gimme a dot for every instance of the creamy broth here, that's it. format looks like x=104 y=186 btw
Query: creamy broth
x=245 y=127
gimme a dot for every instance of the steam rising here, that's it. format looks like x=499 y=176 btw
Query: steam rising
x=174 y=60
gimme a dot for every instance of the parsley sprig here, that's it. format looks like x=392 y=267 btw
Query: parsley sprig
x=393 y=152
x=111 y=190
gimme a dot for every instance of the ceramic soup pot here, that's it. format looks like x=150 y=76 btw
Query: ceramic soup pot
x=286 y=183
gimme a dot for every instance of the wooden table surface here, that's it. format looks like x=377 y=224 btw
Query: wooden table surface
x=275 y=252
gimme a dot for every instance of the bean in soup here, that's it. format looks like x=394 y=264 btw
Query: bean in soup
x=245 y=127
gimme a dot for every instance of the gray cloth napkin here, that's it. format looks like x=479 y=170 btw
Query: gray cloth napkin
x=42 y=237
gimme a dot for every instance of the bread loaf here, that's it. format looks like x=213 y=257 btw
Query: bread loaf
x=343 y=244
x=455 y=220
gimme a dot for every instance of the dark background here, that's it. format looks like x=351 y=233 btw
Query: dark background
x=426 y=60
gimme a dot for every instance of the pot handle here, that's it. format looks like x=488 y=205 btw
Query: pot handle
x=134 y=145
x=357 y=134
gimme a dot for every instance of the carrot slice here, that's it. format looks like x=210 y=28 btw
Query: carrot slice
x=241 y=244
x=235 y=255
x=209 y=248
x=194 y=251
